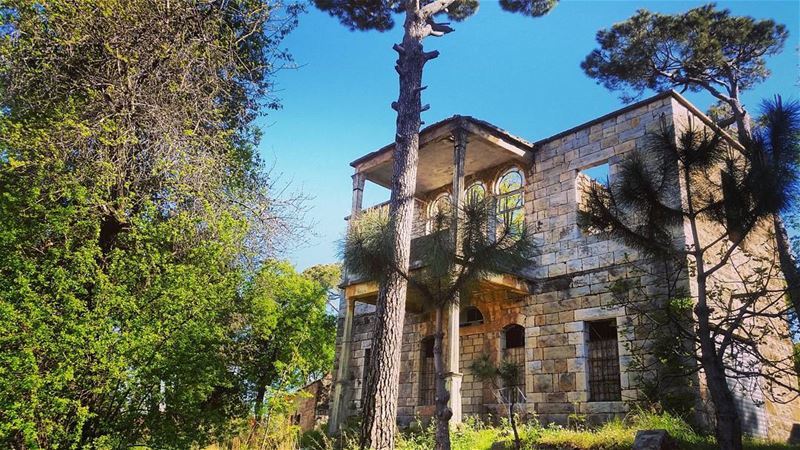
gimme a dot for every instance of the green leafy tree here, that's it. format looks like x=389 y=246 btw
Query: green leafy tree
x=132 y=200
x=420 y=20
x=699 y=203
x=703 y=49
x=329 y=276
x=452 y=264
x=289 y=337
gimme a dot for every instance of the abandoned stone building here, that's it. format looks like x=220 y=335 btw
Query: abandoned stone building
x=570 y=341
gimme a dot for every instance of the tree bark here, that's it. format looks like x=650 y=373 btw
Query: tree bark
x=380 y=407
x=511 y=403
x=443 y=412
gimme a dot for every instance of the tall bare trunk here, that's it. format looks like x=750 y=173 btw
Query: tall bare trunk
x=380 y=408
x=443 y=412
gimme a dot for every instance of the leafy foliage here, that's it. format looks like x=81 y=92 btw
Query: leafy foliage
x=289 y=334
x=133 y=204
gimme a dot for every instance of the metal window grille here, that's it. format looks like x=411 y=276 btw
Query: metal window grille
x=514 y=352
x=427 y=374
x=603 y=362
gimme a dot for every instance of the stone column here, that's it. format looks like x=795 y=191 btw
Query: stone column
x=338 y=413
x=342 y=382
x=452 y=333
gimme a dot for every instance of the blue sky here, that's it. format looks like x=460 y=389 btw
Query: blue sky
x=518 y=73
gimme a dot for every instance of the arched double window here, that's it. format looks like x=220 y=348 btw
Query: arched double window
x=439 y=210
x=510 y=201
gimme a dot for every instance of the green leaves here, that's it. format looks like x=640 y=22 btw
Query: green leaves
x=132 y=211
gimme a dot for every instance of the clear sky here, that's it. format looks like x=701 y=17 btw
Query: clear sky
x=519 y=73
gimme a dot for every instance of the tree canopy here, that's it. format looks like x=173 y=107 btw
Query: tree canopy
x=704 y=48
x=379 y=14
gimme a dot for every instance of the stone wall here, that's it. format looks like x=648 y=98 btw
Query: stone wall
x=768 y=407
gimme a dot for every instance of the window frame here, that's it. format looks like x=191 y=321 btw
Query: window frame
x=430 y=213
x=499 y=212
x=463 y=322
x=515 y=354
x=599 y=381
x=427 y=375
x=476 y=184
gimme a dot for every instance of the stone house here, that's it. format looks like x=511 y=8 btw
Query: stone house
x=557 y=320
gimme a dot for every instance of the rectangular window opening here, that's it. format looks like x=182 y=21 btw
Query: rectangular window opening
x=603 y=361
x=427 y=374
x=586 y=180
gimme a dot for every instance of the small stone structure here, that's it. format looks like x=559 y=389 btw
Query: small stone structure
x=563 y=302
x=312 y=403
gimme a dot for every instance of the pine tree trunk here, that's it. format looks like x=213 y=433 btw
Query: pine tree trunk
x=728 y=428
x=513 y=421
x=443 y=412
x=380 y=407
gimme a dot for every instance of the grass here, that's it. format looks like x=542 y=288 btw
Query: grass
x=614 y=435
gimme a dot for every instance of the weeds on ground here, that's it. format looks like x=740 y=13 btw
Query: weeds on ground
x=474 y=434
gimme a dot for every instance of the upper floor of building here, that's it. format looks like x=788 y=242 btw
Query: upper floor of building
x=536 y=183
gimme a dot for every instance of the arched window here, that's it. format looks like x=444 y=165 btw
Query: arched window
x=470 y=316
x=439 y=209
x=427 y=373
x=514 y=352
x=476 y=192
x=510 y=201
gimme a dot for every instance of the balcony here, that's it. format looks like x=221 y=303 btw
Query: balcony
x=454 y=151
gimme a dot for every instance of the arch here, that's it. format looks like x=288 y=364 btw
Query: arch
x=476 y=192
x=513 y=336
x=441 y=204
x=510 y=191
x=470 y=315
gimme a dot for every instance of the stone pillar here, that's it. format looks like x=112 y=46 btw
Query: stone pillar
x=452 y=333
x=342 y=382
x=338 y=414
x=358 y=194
